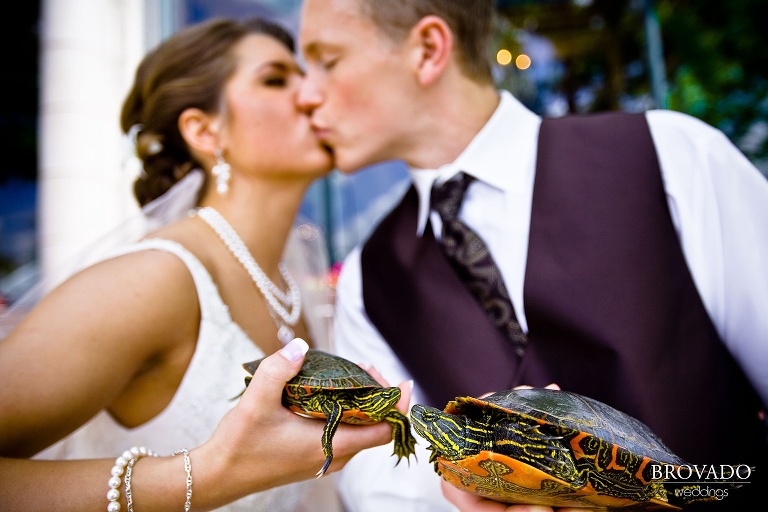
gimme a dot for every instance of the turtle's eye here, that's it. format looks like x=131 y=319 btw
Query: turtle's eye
x=430 y=416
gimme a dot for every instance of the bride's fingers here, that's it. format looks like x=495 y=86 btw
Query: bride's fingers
x=375 y=374
x=406 y=388
x=273 y=373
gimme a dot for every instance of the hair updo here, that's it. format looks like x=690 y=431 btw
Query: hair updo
x=188 y=70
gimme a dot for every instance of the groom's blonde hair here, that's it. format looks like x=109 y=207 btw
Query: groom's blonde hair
x=472 y=22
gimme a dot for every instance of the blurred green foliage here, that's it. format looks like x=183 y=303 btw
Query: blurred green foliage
x=716 y=54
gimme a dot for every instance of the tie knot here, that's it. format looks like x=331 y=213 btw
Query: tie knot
x=446 y=198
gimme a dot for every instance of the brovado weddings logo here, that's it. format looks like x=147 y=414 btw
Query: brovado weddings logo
x=702 y=482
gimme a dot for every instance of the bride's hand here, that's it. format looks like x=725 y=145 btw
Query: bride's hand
x=260 y=444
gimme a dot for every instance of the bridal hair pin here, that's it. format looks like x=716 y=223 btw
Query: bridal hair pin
x=133 y=133
x=153 y=147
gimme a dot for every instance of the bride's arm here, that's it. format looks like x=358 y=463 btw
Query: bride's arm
x=91 y=344
x=258 y=445
x=85 y=345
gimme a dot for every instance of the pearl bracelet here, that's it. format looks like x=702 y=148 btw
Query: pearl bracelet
x=128 y=457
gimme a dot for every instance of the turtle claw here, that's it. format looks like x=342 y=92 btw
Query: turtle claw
x=406 y=456
x=322 y=470
x=405 y=443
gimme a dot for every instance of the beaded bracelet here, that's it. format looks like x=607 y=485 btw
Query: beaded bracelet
x=128 y=457
x=188 y=469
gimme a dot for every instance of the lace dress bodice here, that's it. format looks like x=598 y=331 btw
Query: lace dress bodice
x=213 y=378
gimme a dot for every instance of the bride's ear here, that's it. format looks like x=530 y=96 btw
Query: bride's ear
x=198 y=130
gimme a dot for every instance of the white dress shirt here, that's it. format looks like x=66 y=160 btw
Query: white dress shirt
x=719 y=206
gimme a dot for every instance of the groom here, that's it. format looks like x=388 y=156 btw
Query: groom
x=626 y=253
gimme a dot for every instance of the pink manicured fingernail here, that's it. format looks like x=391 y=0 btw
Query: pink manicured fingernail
x=295 y=349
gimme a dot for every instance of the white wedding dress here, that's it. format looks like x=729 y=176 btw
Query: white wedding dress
x=215 y=375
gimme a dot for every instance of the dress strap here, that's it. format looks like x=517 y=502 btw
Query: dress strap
x=211 y=304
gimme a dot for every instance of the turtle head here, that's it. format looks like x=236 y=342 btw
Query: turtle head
x=251 y=369
x=377 y=402
x=446 y=433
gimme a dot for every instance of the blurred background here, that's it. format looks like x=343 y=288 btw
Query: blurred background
x=66 y=175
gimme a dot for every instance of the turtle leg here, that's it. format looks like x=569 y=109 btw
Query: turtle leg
x=333 y=411
x=405 y=443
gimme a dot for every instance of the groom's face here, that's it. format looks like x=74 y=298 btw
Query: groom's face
x=357 y=83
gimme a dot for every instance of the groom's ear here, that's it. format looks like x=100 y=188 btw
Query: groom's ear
x=432 y=48
x=199 y=130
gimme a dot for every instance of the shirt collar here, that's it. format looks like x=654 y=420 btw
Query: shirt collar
x=506 y=137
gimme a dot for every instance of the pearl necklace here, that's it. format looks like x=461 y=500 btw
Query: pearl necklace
x=276 y=300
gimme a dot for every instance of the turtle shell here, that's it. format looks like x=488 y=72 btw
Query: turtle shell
x=573 y=412
x=335 y=389
x=324 y=372
x=549 y=447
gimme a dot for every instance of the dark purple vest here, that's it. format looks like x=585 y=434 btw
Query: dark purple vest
x=612 y=310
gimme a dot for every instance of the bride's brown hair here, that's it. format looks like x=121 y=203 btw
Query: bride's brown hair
x=188 y=70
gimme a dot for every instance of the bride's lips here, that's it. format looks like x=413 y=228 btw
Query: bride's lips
x=321 y=133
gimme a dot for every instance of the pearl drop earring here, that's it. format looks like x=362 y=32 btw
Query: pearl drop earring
x=221 y=171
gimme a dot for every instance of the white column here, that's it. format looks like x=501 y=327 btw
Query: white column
x=89 y=50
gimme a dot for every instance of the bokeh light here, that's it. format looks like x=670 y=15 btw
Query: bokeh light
x=523 y=61
x=503 y=57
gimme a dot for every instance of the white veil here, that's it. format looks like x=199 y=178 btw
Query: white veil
x=305 y=257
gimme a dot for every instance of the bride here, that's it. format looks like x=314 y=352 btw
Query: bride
x=144 y=349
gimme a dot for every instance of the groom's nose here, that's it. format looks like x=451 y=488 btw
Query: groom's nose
x=309 y=96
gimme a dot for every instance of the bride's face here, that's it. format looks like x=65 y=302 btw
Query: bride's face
x=265 y=130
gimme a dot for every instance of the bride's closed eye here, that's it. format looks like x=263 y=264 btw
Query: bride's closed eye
x=275 y=81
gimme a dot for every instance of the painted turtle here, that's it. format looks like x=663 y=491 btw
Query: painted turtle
x=550 y=447
x=333 y=388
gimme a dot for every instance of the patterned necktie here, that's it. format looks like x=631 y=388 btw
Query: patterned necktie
x=473 y=263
